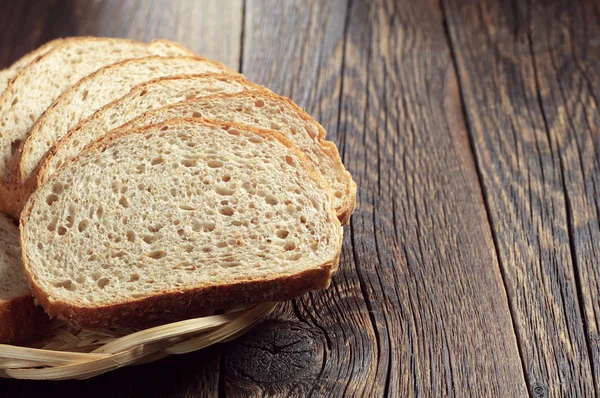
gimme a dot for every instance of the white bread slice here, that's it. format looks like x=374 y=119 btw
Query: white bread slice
x=265 y=110
x=38 y=84
x=90 y=94
x=175 y=220
x=19 y=317
x=7 y=74
x=147 y=96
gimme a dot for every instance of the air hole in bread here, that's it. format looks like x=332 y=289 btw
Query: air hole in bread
x=226 y=178
x=338 y=194
x=143 y=92
x=134 y=277
x=50 y=199
x=100 y=212
x=84 y=95
x=214 y=164
x=40 y=245
x=303 y=219
x=290 y=161
x=187 y=207
x=156 y=161
x=83 y=225
x=189 y=162
x=118 y=254
x=226 y=211
x=58 y=188
x=131 y=236
x=259 y=103
x=103 y=282
x=295 y=257
x=270 y=199
x=189 y=248
x=196 y=114
x=66 y=284
x=225 y=191
x=275 y=126
x=282 y=234
x=164 y=128
x=221 y=245
x=52 y=225
x=124 y=202
x=157 y=255
x=154 y=228
x=180 y=232
x=149 y=239
x=290 y=245
x=255 y=139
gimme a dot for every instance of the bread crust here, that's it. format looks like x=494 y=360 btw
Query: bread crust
x=17 y=174
x=20 y=319
x=193 y=301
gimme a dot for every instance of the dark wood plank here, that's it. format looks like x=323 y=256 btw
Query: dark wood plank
x=527 y=103
x=211 y=28
x=422 y=259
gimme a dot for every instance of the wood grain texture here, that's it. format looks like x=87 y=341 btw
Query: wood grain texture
x=423 y=246
x=533 y=119
x=211 y=28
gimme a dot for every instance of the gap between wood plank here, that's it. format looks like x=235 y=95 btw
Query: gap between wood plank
x=484 y=195
x=242 y=37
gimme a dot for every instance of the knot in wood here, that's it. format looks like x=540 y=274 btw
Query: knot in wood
x=275 y=352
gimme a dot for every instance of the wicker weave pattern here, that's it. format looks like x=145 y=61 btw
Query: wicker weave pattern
x=61 y=354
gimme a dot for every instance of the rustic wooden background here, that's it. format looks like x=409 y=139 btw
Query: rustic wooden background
x=471 y=266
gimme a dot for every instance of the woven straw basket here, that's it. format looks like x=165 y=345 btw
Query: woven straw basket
x=61 y=354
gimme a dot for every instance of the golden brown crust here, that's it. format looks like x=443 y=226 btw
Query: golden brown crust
x=20 y=319
x=174 y=306
x=16 y=172
x=198 y=301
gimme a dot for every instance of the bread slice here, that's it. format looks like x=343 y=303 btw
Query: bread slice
x=7 y=74
x=38 y=84
x=147 y=96
x=263 y=109
x=19 y=317
x=90 y=94
x=175 y=220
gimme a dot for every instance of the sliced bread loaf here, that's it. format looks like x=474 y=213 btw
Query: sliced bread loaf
x=175 y=220
x=7 y=74
x=18 y=314
x=39 y=83
x=90 y=94
x=147 y=96
x=263 y=109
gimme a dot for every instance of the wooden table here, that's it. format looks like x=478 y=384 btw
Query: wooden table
x=472 y=128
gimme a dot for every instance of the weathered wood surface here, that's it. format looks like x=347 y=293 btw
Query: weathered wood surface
x=471 y=128
x=527 y=72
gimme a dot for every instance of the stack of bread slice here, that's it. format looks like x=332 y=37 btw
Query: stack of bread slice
x=152 y=185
